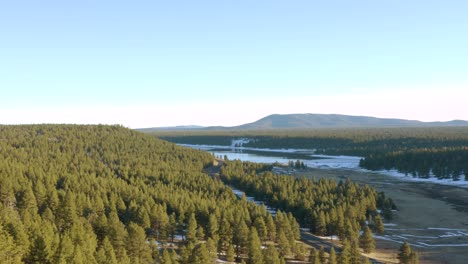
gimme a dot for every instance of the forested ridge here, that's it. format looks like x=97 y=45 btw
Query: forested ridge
x=107 y=194
x=420 y=152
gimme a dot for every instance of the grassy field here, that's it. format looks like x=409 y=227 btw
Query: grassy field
x=433 y=218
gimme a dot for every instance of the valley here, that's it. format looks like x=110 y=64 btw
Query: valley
x=432 y=217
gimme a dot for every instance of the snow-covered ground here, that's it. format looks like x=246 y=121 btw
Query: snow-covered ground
x=333 y=162
x=426 y=237
x=239 y=142
x=404 y=177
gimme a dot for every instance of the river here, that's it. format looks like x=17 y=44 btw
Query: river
x=283 y=156
x=311 y=160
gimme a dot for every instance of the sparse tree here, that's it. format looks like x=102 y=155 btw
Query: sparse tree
x=378 y=224
x=366 y=241
x=406 y=254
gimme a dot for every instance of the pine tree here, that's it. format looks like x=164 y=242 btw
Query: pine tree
x=213 y=227
x=191 y=233
x=366 y=241
x=314 y=257
x=230 y=254
x=350 y=233
x=78 y=257
x=283 y=244
x=340 y=226
x=117 y=235
x=241 y=237
x=323 y=258
x=261 y=228
x=165 y=257
x=158 y=220
x=254 y=248
x=27 y=201
x=100 y=227
x=378 y=225
x=271 y=256
x=200 y=255
x=66 y=214
x=8 y=250
x=38 y=253
x=212 y=248
x=137 y=248
x=64 y=252
x=271 y=227
x=186 y=253
x=171 y=226
x=320 y=225
x=406 y=254
x=108 y=251
x=84 y=240
x=355 y=253
x=332 y=256
x=226 y=234
x=200 y=233
x=154 y=248
x=18 y=232
x=174 y=257
x=300 y=251
x=101 y=256
x=345 y=256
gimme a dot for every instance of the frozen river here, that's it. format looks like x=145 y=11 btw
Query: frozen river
x=281 y=156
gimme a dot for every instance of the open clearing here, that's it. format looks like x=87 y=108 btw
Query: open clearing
x=433 y=218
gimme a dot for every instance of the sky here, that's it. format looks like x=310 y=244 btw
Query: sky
x=229 y=62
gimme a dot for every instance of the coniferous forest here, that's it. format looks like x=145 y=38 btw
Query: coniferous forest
x=107 y=194
x=324 y=206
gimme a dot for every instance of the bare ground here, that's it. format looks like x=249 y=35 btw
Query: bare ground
x=432 y=218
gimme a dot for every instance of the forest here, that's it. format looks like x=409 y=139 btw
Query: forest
x=107 y=194
x=420 y=152
x=324 y=206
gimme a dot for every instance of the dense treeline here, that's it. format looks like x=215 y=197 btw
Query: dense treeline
x=106 y=194
x=201 y=140
x=326 y=207
x=446 y=163
x=346 y=141
x=420 y=152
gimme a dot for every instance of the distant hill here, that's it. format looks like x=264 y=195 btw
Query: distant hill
x=305 y=121
x=311 y=121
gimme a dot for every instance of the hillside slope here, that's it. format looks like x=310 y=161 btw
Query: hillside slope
x=99 y=194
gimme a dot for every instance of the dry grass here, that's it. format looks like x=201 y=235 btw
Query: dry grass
x=421 y=206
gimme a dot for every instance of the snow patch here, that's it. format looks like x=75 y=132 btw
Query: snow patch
x=329 y=237
x=405 y=177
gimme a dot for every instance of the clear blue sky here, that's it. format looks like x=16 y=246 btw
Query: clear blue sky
x=157 y=63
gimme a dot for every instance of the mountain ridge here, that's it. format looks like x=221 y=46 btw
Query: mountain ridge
x=315 y=121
